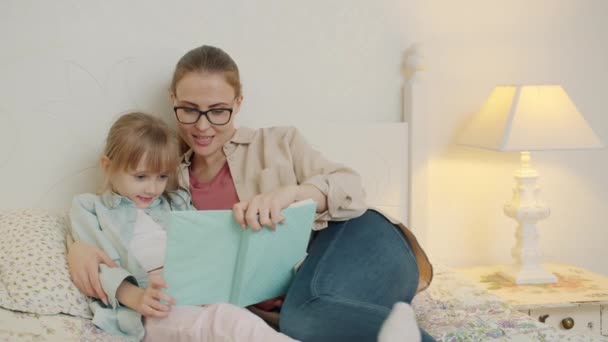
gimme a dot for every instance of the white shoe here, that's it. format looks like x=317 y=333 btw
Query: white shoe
x=400 y=326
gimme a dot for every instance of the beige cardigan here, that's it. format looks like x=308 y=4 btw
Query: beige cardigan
x=265 y=159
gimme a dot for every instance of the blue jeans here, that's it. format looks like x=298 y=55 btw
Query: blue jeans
x=354 y=273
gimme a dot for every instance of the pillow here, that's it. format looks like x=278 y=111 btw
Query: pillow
x=33 y=267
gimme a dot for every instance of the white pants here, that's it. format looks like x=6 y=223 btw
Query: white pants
x=213 y=323
x=216 y=322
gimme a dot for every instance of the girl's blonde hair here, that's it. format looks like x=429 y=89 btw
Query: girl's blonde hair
x=135 y=136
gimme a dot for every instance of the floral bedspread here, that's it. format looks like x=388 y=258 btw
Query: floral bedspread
x=19 y=326
x=454 y=309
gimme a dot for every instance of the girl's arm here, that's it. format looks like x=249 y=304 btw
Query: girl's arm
x=92 y=270
x=148 y=302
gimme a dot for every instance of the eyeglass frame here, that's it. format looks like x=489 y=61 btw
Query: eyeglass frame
x=202 y=113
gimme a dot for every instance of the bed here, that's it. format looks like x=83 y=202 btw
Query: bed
x=450 y=310
x=40 y=303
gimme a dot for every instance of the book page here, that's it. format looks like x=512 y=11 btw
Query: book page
x=267 y=268
x=201 y=255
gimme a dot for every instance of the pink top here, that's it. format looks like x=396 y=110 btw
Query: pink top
x=219 y=193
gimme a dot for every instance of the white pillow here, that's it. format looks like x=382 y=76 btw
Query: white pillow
x=33 y=269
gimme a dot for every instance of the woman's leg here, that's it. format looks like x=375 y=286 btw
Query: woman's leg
x=354 y=273
x=212 y=323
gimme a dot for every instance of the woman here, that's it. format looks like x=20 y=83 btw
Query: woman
x=359 y=263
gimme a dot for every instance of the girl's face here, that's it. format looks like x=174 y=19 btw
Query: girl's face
x=205 y=91
x=141 y=186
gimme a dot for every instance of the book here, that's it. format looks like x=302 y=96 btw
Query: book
x=210 y=258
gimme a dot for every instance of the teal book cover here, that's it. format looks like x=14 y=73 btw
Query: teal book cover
x=211 y=259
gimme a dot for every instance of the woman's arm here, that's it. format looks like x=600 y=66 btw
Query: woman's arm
x=336 y=188
x=83 y=263
x=340 y=185
x=306 y=191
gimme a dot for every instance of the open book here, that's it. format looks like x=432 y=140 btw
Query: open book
x=211 y=259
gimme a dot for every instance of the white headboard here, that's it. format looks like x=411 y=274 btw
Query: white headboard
x=63 y=168
x=377 y=151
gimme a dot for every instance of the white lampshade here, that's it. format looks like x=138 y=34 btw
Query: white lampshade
x=527 y=118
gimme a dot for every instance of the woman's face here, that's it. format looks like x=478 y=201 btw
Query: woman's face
x=204 y=91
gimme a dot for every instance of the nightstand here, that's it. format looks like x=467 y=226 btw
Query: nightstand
x=577 y=302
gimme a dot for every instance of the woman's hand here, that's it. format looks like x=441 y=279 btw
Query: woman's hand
x=148 y=301
x=265 y=209
x=83 y=263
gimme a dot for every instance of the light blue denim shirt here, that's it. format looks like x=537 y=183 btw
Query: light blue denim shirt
x=108 y=221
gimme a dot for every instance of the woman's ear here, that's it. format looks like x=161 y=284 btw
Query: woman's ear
x=237 y=104
x=104 y=163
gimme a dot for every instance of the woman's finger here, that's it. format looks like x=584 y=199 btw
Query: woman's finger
x=76 y=280
x=78 y=268
x=238 y=211
x=74 y=275
x=84 y=284
x=95 y=283
x=264 y=218
x=88 y=283
x=275 y=213
x=105 y=259
x=251 y=217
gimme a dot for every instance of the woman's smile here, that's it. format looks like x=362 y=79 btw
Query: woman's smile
x=202 y=140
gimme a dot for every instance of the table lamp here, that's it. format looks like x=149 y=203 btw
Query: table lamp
x=527 y=118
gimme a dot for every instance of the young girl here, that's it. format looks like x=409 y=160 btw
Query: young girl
x=128 y=220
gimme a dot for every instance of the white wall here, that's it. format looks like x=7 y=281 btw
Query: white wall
x=67 y=64
x=67 y=68
x=469 y=47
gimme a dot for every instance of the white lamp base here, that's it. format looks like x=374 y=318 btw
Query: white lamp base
x=527 y=209
x=530 y=275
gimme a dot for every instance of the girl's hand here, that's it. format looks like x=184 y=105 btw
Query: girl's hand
x=83 y=263
x=148 y=303
x=265 y=209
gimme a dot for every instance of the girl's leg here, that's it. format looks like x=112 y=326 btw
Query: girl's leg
x=354 y=273
x=217 y=322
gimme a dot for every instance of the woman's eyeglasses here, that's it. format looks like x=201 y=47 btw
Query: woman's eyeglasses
x=215 y=116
